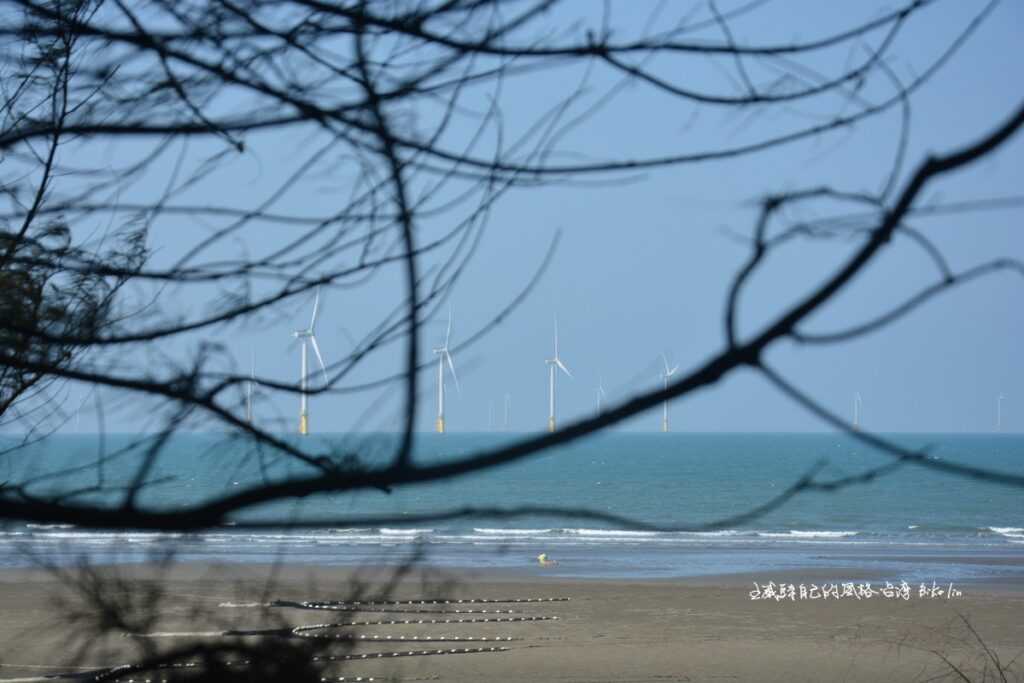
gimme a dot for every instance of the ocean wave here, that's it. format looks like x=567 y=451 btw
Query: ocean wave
x=796 y=533
x=50 y=526
x=1011 y=532
x=101 y=537
x=610 y=533
x=512 y=537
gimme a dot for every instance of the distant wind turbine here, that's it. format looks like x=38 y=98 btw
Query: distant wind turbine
x=508 y=411
x=668 y=372
x=999 y=413
x=601 y=394
x=308 y=336
x=552 y=364
x=444 y=356
x=856 y=409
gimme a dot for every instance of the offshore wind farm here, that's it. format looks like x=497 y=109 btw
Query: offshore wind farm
x=445 y=368
x=445 y=363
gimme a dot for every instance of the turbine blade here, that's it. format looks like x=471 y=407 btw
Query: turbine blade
x=673 y=370
x=316 y=348
x=448 y=334
x=665 y=362
x=451 y=368
x=556 y=336
x=559 y=363
x=316 y=306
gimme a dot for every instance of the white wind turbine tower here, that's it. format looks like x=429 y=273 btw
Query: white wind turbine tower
x=443 y=356
x=999 y=413
x=664 y=377
x=308 y=336
x=552 y=363
x=856 y=409
x=601 y=395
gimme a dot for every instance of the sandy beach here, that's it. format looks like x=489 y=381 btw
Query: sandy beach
x=707 y=629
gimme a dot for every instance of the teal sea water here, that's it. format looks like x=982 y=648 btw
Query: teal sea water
x=914 y=523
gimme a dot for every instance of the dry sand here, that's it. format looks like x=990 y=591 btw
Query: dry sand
x=700 y=630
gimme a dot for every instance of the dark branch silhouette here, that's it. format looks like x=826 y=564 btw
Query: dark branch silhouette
x=400 y=104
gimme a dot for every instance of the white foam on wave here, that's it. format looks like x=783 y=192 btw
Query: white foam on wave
x=610 y=533
x=512 y=532
x=106 y=536
x=307 y=539
x=1014 y=533
x=50 y=526
x=405 y=532
x=796 y=533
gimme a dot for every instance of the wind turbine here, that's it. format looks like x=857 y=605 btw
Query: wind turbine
x=999 y=413
x=552 y=363
x=444 y=356
x=664 y=376
x=856 y=410
x=308 y=336
x=601 y=395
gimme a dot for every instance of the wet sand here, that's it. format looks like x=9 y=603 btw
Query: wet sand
x=706 y=629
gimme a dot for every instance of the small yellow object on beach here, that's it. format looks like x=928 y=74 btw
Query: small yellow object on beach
x=543 y=560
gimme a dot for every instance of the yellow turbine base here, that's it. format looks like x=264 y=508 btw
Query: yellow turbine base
x=440 y=425
x=551 y=424
x=303 y=424
x=664 y=425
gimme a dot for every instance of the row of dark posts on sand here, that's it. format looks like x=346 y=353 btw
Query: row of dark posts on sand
x=450 y=611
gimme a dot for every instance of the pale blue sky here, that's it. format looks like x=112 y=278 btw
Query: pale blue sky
x=643 y=265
